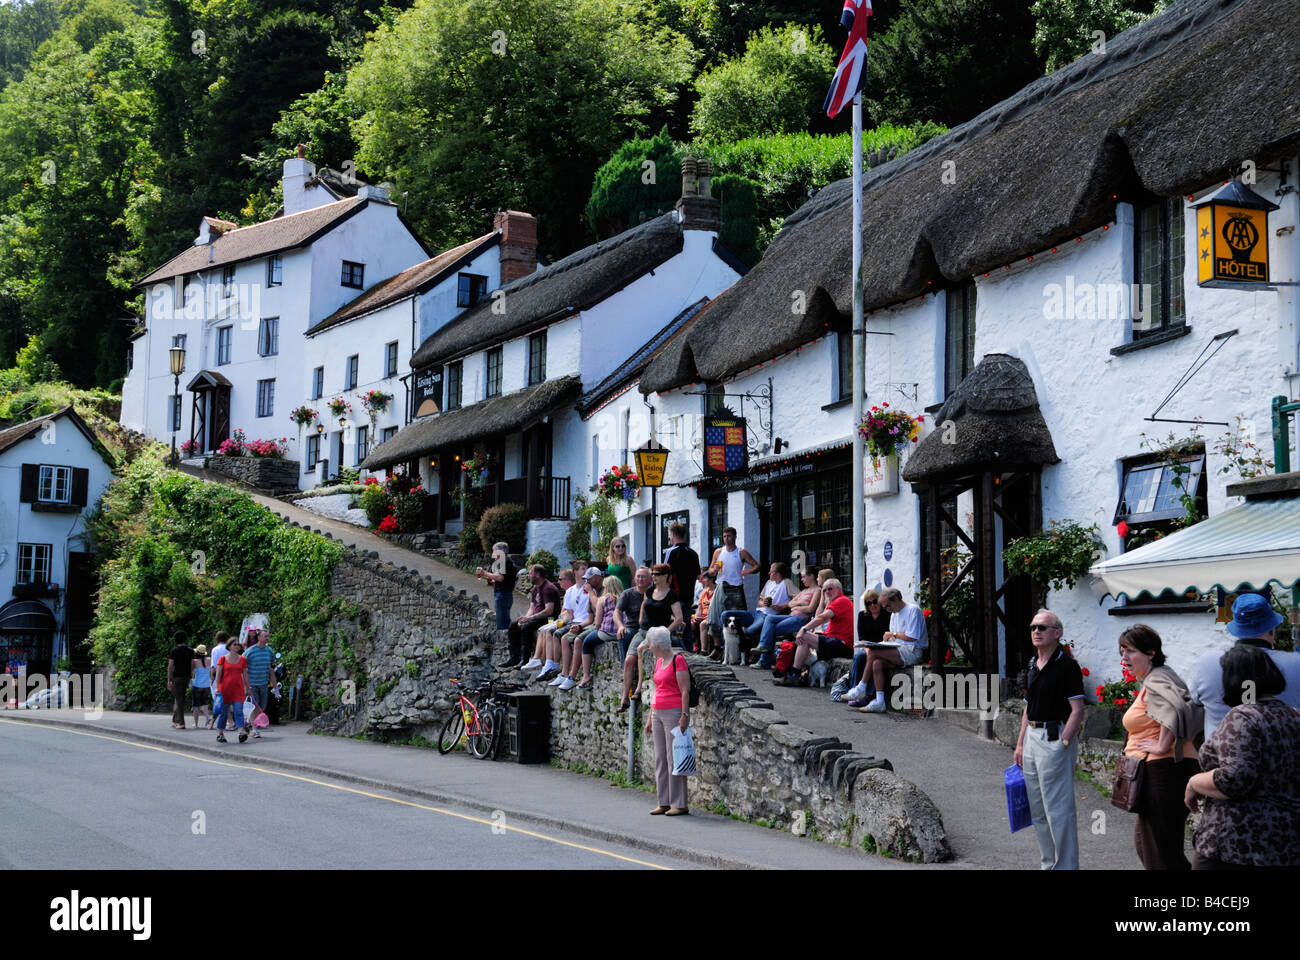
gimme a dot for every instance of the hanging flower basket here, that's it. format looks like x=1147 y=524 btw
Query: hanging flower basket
x=885 y=430
x=477 y=468
x=376 y=401
x=619 y=483
x=303 y=415
x=339 y=407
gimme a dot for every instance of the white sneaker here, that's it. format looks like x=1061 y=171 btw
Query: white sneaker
x=568 y=684
x=857 y=693
x=875 y=706
x=557 y=681
x=532 y=664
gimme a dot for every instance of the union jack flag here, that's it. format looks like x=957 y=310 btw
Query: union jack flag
x=851 y=74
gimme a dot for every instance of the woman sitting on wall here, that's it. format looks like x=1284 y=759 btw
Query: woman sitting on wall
x=604 y=630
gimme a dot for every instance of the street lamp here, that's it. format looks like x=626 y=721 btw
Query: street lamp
x=177 y=357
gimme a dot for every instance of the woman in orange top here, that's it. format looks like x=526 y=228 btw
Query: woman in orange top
x=1161 y=726
x=700 y=622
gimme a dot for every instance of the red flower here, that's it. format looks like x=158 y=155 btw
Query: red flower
x=1084 y=671
x=1100 y=690
x=1121 y=702
x=926 y=611
x=947 y=656
x=1122 y=529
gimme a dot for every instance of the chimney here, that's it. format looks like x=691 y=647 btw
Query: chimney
x=518 y=244
x=698 y=209
x=369 y=192
x=300 y=189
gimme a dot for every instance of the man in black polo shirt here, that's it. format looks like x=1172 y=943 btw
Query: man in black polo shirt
x=1046 y=748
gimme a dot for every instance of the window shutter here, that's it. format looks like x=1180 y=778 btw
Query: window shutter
x=80 y=486
x=27 y=486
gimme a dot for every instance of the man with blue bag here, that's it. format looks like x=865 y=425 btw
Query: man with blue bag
x=1047 y=748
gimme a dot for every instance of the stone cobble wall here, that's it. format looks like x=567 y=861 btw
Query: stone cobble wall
x=398 y=640
x=754 y=764
x=265 y=473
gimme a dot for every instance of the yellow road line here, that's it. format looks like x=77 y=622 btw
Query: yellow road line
x=334 y=786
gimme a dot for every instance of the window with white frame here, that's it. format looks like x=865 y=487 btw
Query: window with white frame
x=34 y=562
x=54 y=485
x=275 y=271
x=265 y=398
x=225 y=335
x=268 y=337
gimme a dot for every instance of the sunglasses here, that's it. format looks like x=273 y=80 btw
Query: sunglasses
x=1034 y=627
x=873 y=603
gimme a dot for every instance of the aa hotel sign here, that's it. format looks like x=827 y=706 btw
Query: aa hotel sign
x=1232 y=237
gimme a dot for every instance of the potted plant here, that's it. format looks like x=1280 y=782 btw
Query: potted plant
x=476 y=468
x=303 y=416
x=339 y=407
x=619 y=483
x=885 y=429
x=375 y=403
x=1058 y=557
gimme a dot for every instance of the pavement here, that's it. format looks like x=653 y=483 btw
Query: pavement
x=539 y=796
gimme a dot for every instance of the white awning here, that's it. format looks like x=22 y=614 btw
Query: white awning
x=1242 y=548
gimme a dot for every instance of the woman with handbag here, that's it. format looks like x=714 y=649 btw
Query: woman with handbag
x=1159 y=753
x=672 y=708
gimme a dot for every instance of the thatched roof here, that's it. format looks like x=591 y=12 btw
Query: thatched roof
x=1173 y=105
x=504 y=414
x=996 y=424
x=413 y=280
x=260 y=239
x=578 y=282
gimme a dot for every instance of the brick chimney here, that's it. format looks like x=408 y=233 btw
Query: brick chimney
x=698 y=209
x=518 y=244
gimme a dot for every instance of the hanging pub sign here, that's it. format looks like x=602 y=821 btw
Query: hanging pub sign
x=650 y=465
x=725 y=445
x=426 y=392
x=1232 y=238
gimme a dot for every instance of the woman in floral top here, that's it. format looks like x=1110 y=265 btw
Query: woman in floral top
x=1251 y=782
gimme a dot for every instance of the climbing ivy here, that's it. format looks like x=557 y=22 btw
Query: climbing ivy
x=180 y=554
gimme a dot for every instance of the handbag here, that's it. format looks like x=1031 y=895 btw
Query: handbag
x=1017 y=798
x=1127 y=792
x=683 y=752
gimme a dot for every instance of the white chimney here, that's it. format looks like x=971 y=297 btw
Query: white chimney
x=300 y=192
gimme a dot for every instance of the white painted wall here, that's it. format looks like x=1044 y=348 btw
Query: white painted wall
x=67 y=447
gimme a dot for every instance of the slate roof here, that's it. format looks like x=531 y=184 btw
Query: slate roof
x=15 y=435
x=412 y=280
x=259 y=240
x=1173 y=105
x=577 y=282
x=503 y=414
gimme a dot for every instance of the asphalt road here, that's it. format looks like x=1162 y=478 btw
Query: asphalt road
x=76 y=800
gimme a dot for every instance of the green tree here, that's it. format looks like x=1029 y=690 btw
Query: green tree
x=472 y=107
x=1067 y=29
x=777 y=86
x=23 y=28
x=947 y=60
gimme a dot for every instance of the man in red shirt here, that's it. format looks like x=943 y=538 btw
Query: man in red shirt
x=836 y=641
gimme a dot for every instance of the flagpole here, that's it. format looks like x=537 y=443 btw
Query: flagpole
x=859 y=365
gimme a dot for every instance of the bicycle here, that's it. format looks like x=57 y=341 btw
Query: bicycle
x=481 y=728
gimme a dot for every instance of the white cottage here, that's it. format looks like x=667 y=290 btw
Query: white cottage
x=52 y=469
x=241 y=301
x=502 y=380
x=1031 y=288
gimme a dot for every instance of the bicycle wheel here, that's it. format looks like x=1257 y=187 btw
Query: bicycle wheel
x=500 y=734
x=452 y=731
x=480 y=743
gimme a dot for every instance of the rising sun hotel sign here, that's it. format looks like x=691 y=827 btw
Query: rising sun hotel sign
x=1232 y=237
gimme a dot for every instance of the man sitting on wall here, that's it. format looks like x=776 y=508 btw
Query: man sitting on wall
x=907 y=629
x=570 y=649
x=541 y=607
x=836 y=641
x=574 y=609
x=774 y=600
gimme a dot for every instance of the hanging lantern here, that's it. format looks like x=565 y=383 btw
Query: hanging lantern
x=1232 y=238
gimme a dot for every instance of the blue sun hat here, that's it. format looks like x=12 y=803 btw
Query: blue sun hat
x=1253 y=616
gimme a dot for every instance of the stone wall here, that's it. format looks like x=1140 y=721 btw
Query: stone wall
x=393 y=648
x=264 y=473
x=754 y=764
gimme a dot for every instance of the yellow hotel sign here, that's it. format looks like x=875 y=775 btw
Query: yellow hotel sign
x=650 y=465
x=1232 y=238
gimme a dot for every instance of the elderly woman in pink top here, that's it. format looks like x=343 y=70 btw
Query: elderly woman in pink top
x=672 y=680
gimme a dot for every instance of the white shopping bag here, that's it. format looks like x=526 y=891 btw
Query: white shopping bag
x=683 y=752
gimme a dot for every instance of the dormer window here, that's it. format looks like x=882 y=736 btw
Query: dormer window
x=470 y=289
x=353 y=274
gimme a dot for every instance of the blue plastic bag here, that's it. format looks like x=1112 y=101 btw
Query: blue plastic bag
x=1017 y=799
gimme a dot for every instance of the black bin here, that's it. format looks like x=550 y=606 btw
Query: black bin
x=529 y=721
